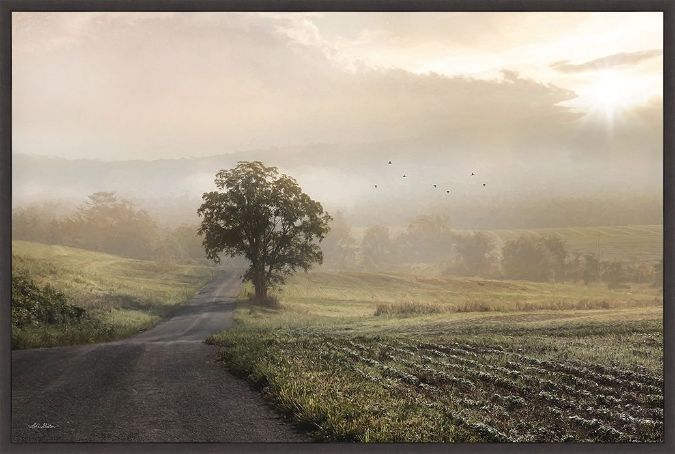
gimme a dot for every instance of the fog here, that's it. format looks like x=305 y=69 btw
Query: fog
x=559 y=116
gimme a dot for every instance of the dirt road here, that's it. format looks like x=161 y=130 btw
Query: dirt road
x=160 y=385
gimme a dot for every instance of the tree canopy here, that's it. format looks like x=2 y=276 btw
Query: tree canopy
x=264 y=216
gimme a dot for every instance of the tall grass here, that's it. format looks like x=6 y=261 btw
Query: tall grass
x=407 y=308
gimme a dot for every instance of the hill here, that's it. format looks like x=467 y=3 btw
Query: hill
x=122 y=295
x=641 y=243
x=342 y=177
x=631 y=243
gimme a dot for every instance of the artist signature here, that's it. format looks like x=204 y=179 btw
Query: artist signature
x=43 y=425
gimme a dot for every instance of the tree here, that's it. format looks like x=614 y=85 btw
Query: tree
x=377 y=248
x=339 y=246
x=527 y=257
x=574 y=267
x=38 y=222
x=265 y=217
x=475 y=250
x=535 y=258
x=180 y=243
x=428 y=238
x=614 y=274
x=591 y=268
x=558 y=250
x=108 y=223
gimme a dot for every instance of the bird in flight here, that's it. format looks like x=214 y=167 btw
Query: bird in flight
x=389 y=163
x=435 y=186
x=375 y=186
x=404 y=176
x=472 y=174
x=448 y=191
x=483 y=184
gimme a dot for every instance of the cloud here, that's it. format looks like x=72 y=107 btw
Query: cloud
x=149 y=86
x=609 y=61
x=201 y=84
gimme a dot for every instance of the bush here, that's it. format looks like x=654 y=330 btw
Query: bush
x=33 y=305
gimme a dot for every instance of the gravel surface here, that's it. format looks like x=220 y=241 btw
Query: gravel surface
x=162 y=385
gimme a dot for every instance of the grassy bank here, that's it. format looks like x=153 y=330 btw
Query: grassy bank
x=557 y=370
x=121 y=296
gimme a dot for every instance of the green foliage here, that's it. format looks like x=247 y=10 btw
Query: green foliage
x=33 y=305
x=121 y=296
x=265 y=217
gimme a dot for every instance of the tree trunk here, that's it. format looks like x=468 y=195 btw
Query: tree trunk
x=259 y=284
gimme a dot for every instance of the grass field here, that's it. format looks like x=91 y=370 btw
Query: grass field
x=123 y=296
x=455 y=360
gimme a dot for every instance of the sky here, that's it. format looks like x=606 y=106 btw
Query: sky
x=126 y=86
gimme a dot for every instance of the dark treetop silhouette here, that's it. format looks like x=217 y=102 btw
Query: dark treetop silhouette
x=265 y=217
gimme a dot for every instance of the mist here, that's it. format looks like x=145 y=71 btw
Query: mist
x=554 y=133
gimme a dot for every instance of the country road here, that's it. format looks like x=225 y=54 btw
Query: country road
x=162 y=385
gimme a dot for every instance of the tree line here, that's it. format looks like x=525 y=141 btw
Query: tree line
x=105 y=222
x=108 y=223
x=431 y=240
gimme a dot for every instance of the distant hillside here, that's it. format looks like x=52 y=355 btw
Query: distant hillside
x=633 y=243
x=630 y=243
x=517 y=193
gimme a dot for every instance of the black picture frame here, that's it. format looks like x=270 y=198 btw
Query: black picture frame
x=9 y=6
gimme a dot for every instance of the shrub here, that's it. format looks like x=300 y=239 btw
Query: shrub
x=33 y=305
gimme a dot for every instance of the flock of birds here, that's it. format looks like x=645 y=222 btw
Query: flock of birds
x=447 y=191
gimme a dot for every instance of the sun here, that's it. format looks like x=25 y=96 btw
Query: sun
x=609 y=95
